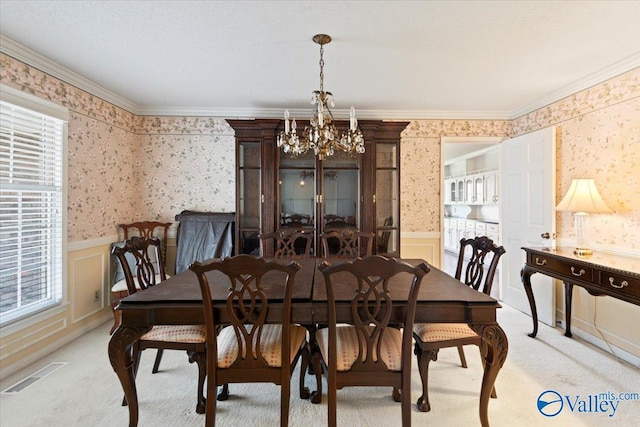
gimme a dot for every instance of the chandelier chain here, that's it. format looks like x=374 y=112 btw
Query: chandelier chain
x=321 y=68
x=321 y=135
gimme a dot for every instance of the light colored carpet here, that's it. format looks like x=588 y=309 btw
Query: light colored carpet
x=86 y=392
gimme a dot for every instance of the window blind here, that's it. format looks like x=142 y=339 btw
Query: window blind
x=31 y=211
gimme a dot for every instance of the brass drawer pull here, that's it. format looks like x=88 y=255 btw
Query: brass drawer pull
x=620 y=286
x=580 y=273
x=543 y=262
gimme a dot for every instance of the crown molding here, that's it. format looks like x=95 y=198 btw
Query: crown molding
x=277 y=113
x=593 y=79
x=44 y=64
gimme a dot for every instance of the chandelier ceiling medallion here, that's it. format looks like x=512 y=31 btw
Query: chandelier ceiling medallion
x=321 y=135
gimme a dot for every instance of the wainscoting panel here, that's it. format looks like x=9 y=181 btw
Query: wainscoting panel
x=88 y=276
x=421 y=245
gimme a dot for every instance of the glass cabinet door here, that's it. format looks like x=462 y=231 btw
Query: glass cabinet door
x=296 y=191
x=387 y=199
x=460 y=188
x=479 y=189
x=340 y=190
x=249 y=196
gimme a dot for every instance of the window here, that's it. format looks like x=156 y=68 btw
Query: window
x=32 y=201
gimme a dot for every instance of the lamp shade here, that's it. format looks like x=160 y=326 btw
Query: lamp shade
x=583 y=196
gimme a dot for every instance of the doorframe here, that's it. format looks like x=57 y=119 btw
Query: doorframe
x=466 y=140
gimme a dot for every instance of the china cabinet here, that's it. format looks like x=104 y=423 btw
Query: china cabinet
x=354 y=191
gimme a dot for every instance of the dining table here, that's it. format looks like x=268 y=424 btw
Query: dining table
x=178 y=301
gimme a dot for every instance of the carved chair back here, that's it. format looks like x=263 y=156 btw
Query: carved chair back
x=141 y=261
x=483 y=256
x=346 y=243
x=292 y=244
x=147 y=230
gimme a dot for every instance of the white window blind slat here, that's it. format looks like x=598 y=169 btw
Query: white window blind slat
x=31 y=211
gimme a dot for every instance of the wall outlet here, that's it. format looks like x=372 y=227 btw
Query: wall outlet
x=96 y=296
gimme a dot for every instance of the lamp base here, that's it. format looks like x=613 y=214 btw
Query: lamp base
x=583 y=251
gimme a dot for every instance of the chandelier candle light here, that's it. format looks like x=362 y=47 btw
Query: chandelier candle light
x=582 y=198
x=321 y=135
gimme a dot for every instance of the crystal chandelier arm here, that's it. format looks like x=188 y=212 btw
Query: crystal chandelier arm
x=321 y=135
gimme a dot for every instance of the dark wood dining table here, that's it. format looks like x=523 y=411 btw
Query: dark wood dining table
x=177 y=301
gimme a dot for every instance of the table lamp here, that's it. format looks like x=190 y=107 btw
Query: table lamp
x=582 y=198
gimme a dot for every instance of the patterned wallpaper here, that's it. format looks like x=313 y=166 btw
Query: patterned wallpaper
x=189 y=162
x=598 y=137
x=101 y=162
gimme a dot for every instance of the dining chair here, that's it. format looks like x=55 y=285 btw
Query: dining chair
x=287 y=243
x=382 y=246
x=431 y=337
x=346 y=243
x=367 y=347
x=144 y=229
x=143 y=268
x=250 y=349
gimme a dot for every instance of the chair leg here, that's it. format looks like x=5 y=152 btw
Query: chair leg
x=396 y=395
x=156 y=364
x=463 y=360
x=224 y=393
x=424 y=357
x=285 y=395
x=210 y=409
x=304 y=365
x=405 y=405
x=201 y=360
x=332 y=398
x=316 y=361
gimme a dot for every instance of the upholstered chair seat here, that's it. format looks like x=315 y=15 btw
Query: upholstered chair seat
x=430 y=332
x=176 y=333
x=121 y=286
x=347 y=347
x=270 y=345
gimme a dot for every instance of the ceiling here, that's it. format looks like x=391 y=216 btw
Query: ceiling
x=389 y=59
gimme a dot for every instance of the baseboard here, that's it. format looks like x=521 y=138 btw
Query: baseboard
x=602 y=344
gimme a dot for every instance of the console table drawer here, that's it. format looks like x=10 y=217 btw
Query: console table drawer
x=620 y=284
x=561 y=267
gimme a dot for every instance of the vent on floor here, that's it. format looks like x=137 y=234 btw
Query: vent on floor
x=33 y=378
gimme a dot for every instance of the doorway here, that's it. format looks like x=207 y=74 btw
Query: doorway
x=470 y=195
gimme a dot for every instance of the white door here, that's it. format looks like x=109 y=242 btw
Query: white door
x=527 y=178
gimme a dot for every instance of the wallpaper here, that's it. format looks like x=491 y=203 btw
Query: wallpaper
x=189 y=164
x=124 y=167
x=101 y=161
x=598 y=137
x=604 y=145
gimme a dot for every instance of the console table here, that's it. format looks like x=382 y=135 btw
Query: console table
x=600 y=274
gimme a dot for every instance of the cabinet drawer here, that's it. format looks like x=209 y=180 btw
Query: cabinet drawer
x=470 y=224
x=493 y=228
x=620 y=284
x=481 y=226
x=561 y=267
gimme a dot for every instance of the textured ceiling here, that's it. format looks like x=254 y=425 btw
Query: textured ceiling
x=390 y=59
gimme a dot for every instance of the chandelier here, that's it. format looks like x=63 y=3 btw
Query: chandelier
x=321 y=135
